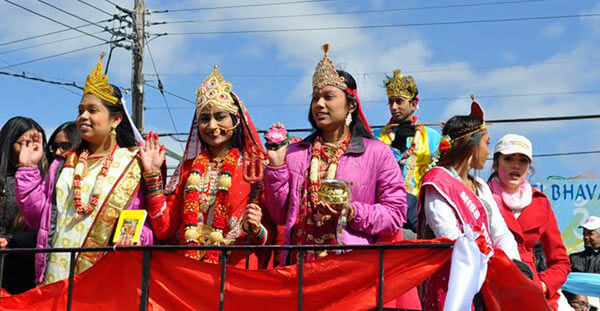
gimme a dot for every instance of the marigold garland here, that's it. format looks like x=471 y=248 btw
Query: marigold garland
x=195 y=200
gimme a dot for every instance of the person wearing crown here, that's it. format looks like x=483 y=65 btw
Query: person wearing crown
x=210 y=199
x=451 y=199
x=341 y=148
x=80 y=199
x=413 y=144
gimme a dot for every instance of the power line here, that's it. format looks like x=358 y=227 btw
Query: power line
x=423 y=99
x=544 y=155
x=74 y=15
x=95 y=7
x=294 y=75
x=59 y=54
x=56 y=21
x=172 y=94
x=480 y=21
x=524 y=120
x=238 y=6
x=46 y=43
x=112 y=3
x=25 y=76
x=161 y=90
x=347 y=12
x=55 y=32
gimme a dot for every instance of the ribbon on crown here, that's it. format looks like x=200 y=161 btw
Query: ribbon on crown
x=447 y=141
x=97 y=84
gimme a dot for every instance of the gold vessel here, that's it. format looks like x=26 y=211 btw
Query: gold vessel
x=334 y=191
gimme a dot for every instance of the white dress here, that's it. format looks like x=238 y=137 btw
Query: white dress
x=442 y=220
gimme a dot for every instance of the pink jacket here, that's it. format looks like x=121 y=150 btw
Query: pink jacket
x=378 y=194
x=35 y=197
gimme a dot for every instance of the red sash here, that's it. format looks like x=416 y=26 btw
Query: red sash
x=468 y=209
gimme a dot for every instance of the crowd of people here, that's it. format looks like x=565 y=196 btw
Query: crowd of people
x=405 y=181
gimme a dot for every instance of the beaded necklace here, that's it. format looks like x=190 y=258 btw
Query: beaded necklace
x=319 y=152
x=80 y=170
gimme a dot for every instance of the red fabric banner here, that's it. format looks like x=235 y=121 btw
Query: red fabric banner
x=506 y=288
x=347 y=281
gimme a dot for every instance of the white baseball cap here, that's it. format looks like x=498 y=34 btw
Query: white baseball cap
x=513 y=143
x=592 y=223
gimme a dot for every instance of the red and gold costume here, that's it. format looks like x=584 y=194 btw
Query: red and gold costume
x=205 y=200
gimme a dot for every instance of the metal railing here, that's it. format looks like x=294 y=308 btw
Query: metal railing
x=147 y=257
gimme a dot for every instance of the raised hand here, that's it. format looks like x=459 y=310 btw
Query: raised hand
x=152 y=153
x=252 y=216
x=32 y=150
x=277 y=156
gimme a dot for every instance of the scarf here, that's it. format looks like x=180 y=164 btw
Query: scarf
x=517 y=201
x=404 y=130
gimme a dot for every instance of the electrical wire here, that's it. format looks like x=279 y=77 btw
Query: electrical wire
x=55 y=32
x=347 y=12
x=25 y=76
x=383 y=101
x=523 y=120
x=237 y=6
x=46 y=43
x=56 y=21
x=69 y=13
x=161 y=90
x=59 y=54
x=95 y=7
x=411 y=71
x=480 y=21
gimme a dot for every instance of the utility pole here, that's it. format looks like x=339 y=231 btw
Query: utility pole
x=137 y=75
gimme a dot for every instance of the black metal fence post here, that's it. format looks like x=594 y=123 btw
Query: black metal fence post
x=380 y=285
x=222 y=291
x=300 y=278
x=71 y=276
x=145 y=280
x=1 y=271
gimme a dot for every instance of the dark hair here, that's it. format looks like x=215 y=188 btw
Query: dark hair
x=125 y=136
x=357 y=128
x=462 y=148
x=11 y=131
x=72 y=133
x=495 y=172
x=237 y=140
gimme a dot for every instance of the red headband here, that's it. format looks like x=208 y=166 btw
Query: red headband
x=361 y=114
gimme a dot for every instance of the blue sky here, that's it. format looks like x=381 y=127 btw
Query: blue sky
x=271 y=71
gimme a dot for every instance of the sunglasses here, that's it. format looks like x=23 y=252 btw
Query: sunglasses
x=62 y=146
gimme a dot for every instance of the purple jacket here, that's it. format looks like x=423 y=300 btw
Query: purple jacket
x=35 y=196
x=378 y=194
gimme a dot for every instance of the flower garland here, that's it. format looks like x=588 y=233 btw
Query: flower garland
x=196 y=200
x=319 y=152
x=80 y=168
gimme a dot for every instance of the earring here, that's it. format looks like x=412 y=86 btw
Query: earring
x=113 y=133
x=349 y=119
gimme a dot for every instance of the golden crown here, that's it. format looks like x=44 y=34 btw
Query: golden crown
x=216 y=92
x=325 y=73
x=399 y=85
x=97 y=84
